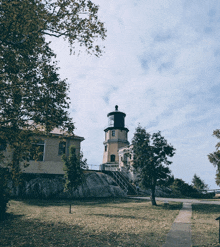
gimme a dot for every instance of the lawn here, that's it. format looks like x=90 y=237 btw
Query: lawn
x=109 y=222
x=204 y=227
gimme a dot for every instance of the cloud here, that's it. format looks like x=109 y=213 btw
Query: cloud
x=161 y=66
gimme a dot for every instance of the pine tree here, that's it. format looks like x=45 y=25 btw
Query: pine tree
x=214 y=157
x=198 y=183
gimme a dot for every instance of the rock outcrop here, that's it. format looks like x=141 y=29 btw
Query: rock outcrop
x=96 y=184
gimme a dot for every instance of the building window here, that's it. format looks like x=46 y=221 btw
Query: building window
x=113 y=132
x=112 y=158
x=3 y=145
x=37 y=151
x=105 y=148
x=62 y=148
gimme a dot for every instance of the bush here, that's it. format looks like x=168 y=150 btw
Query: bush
x=181 y=188
x=4 y=193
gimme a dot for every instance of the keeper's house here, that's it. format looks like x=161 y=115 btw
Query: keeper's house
x=51 y=148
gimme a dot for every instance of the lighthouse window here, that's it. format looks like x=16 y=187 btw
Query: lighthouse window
x=113 y=132
x=112 y=158
x=111 y=121
x=105 y=148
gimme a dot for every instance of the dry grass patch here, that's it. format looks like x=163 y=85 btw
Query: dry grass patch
x=205 y=229
x=119 y=222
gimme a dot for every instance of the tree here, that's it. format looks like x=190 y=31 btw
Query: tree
x=150 y=159
x=198 y=184
x=31 y=90
x=74 y=165
x=4 y=192
x=181 y=188
x=214 y=157
x=28 y=21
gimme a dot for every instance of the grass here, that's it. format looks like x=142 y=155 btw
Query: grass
x=204 y=227
x=109 y=222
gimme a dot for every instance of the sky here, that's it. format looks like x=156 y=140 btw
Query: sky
x=161 y=66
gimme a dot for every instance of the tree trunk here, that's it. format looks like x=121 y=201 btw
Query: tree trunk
x=153 y=201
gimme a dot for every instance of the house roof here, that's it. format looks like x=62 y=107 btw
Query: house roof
x=57 y=131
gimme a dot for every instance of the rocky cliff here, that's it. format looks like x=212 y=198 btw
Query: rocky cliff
x=96 y=184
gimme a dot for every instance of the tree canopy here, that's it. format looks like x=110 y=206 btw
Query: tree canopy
x=31 y=90
x=74 y=165
x=214 y=157
x=198 y=183
x=150 y=159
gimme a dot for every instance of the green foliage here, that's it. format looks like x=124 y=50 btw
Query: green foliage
x=74 y=165
x=150 y=159
x=214 y=157
x=4 y=193
x=31 y=91
x=28 y=21
x=198 y=184
x=181 y=188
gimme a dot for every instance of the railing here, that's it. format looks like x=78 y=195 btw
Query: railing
x=112 y=125
x=216 y=191
x=122 y=181
x=93 y=167
x=127 y=181
x=119 y=181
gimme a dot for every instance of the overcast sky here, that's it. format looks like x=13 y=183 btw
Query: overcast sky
x=161 y=66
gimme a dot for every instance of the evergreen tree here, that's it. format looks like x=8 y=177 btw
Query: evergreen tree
x=214 y=157
x=198 y=183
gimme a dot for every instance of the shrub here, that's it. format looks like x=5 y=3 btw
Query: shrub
x=181 y=188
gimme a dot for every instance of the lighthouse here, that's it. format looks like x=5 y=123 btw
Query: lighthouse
x=116 y=137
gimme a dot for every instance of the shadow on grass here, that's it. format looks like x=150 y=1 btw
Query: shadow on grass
x=19 y=231
x=118 y=216
x=173 y=206
x=206 y=208
x=10 y=217
x=101 y=202
x=81 y=201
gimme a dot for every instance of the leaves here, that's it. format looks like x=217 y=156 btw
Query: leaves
x=150 y=159
x=31 y=90
x=198 y=183
x=74 y=165
x=214 y=157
